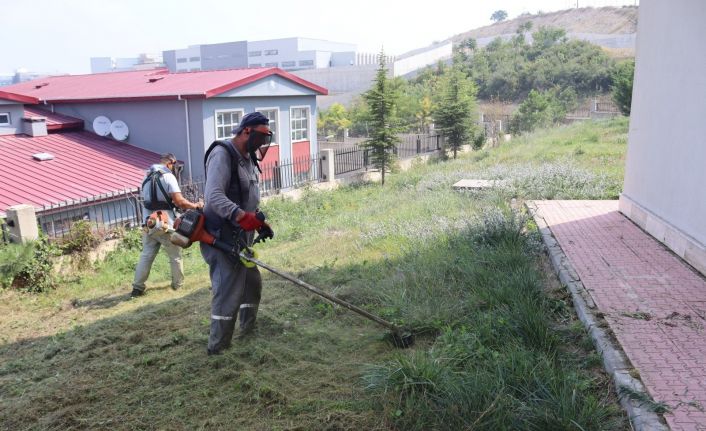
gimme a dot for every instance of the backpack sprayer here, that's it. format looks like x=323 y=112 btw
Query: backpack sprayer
x=189 y=228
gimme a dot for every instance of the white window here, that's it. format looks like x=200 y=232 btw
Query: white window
x=255 y=65
x=273 y=115
x=271 y=64
x=226 y=121
x=289 y=63
x=270 y=52
x=4 y=118
x=254 y=53
x=300 y=123
x=181 y=60
x=306 y=62
x=194 y=58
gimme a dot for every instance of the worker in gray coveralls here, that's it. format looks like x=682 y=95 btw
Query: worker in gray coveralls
x=232 y=197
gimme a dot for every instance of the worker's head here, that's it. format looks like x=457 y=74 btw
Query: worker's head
x=170 y=161
x=254 y=132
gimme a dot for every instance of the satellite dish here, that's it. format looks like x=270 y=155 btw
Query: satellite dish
x=119 y=130
x=101 y=125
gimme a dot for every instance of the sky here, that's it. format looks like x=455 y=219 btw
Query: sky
x=60 y=36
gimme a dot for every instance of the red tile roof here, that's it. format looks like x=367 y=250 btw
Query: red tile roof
x=55 y=121
x=84 y=165
x=6 y=95
x=147 y=85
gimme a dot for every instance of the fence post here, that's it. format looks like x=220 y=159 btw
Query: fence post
x=365 y=159
x=22 y=223
x=276 y=176
x=328 y=169
x=437 y=142
x=419 y=144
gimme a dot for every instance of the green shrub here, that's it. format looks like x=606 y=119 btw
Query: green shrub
x=131 y=239
x=542 y=109
x=623 y=75
x=80 y=238
x=28 y=266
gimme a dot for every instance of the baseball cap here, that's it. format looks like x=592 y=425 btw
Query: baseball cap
x=252 y=119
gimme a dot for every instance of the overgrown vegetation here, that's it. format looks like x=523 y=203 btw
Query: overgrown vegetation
x=509 y=70
x=542 y=109
x=623 y=76
x=497 y=345
x=28 y=267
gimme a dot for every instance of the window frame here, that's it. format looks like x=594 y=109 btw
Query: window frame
x=292 y=130
x=277 y=122
x=270 y=52
x=9 y=119
x=289 y=64
x=255 y=53
x=221 y=111
x=182 y=60
x=305 y=63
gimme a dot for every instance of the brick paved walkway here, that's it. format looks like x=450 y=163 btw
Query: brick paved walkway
x=654 y=303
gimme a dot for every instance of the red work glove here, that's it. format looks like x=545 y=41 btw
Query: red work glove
x=250 y=221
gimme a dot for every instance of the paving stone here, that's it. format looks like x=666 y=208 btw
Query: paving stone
x=654 y=303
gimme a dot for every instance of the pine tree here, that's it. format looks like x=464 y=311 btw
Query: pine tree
x=455 y=108
x=384 y=125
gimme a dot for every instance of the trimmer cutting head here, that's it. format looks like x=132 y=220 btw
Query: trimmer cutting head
x=402 y=338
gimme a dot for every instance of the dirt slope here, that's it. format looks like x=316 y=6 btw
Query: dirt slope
x=603 y=20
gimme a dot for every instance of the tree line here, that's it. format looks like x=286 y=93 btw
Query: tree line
x=545 y=75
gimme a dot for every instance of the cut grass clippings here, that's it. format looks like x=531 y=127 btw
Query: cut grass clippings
x=497 y=345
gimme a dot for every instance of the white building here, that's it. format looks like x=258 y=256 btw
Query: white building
x=665 y=170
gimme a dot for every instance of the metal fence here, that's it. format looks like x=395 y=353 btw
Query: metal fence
x=413 y=145
x=105 y=214
x=123 y=209
x=357 y=157
x=349 y=159
x=289 y=173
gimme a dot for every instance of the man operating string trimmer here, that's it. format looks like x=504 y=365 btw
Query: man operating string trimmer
x=231 y=211
x=225 y=231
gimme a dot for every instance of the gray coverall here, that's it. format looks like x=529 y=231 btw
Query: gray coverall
x=235 y=288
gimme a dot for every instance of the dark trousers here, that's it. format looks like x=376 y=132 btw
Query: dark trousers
x=236 y=290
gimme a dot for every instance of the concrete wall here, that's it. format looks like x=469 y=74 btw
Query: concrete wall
x=665 y=174
x=298 y=49
x=101 y=64
x=158 y=126
x=184 y=62
x=421 y=58
x=343 y=59
x=169 y=58
x=341 y=79
x=16 y=112
x=230 y=55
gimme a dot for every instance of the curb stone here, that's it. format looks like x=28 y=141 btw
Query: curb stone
x=615 y=361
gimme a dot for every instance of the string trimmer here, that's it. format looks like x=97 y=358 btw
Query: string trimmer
x=189 y=228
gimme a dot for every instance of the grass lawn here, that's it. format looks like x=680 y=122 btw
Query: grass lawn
x=498 y=345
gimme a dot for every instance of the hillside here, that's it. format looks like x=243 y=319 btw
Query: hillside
x=613 y=28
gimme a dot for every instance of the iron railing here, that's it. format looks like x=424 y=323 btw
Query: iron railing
x=413 y=145
x=105 y=214
x=289 y=173
x=349 y=159
x=356 y=157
